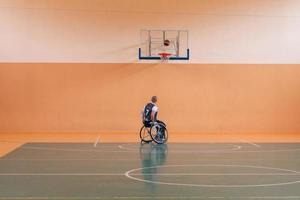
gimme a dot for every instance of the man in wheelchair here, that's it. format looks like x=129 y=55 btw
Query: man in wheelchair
x=149 y=117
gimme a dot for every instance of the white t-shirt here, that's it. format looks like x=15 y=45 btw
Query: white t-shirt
x=155 y=108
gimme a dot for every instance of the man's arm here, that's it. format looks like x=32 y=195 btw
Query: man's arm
x=154 y=113
x=153 y=116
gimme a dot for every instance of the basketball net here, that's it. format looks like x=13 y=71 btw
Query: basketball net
x=166 y=51
x=164 y=57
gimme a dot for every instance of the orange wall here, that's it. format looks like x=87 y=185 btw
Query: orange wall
x=108 y=31
x=107 y=97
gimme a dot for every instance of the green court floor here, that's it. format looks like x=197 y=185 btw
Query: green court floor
x=74 y=171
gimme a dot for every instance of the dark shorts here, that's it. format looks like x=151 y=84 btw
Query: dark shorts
x=148 y=123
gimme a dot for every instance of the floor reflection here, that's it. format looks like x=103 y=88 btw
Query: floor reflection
x=152 y=155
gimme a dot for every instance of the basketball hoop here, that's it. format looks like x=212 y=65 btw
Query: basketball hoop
x=164 y=57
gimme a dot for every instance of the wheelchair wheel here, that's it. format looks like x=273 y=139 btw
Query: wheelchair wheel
x=145 y=134
x=159 y=133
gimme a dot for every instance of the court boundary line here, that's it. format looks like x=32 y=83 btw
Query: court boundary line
x=97 y=140
x=64 y=159
x=100 y=159
x=235 y=147
x=249 y=142
x=61 y=174
x=128 y=175
x=120 y=146
x=238 y=147
x=149 y=197
x=217 y=174
x=156 y=174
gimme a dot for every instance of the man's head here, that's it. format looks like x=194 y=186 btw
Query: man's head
x=154 y=99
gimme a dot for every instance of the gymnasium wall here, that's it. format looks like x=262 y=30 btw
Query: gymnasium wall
x=72 y=65
x=109 y=97
x=108 y=31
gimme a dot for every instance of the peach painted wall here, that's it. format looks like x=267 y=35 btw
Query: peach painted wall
x=63 y=96
x=107 y=97
x=108 y=31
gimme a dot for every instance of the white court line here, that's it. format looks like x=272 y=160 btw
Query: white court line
x=233 y=150
x=217 y=174
x=152 y=174
x=73 y=150
x=235 y=147
x=147 y=197
x=67 y=159
x=126 y=148
x=249 y=142
x=127 y=151
x=61 y=174
x=97 y=140
x=129 y=159
x=129 y=175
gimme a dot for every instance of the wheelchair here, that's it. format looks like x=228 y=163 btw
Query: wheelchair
x=156 y=132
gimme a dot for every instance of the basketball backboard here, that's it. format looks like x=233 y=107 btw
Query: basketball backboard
x=152 y=44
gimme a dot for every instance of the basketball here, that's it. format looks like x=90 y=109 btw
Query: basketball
x=167 y=42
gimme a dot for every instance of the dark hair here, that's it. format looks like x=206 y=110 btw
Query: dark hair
x=154 y=99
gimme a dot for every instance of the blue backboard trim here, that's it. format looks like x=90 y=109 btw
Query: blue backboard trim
x=158 y=58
